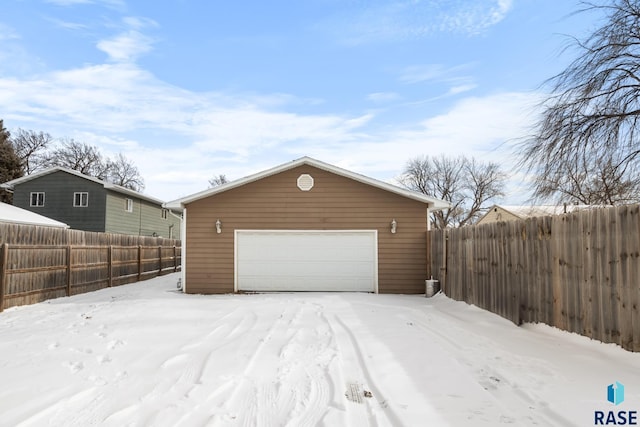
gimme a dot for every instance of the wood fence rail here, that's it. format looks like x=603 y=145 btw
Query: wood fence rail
x=34 y=273
x=40 y=263
x=579 y=271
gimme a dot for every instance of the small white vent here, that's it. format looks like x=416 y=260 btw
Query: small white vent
x=305 y=182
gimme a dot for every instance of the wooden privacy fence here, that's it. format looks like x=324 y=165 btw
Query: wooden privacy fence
x=34 y=272
x=579 y=271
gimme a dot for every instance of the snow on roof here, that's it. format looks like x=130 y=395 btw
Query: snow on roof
x=15 y=215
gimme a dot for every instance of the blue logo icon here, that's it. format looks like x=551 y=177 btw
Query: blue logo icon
x=615 y=393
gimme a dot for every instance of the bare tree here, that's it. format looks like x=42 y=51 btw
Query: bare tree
x=121 y=171
x=468 y=185
x=586 y=142
x=599 y=181
x=79 y=156
x=31 y=147
x=218 y=180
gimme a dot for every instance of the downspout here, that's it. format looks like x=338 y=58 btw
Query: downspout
x=183 y=250
x=140 y=219
x=179 y=218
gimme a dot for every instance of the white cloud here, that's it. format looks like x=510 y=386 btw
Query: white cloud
x=121 y=107
x=435 y=72
x=475 y=17
x=69 y=2
x=485 y=128
x=14 y=58
x=8 y=33
x=139 y=23
x=381 y=97
x=67 y=24
x=117 y=4
x=126 y=47
x=455 y=90
x=455 y=78
x=129 y=44
x=179 y=138
x=396 y=20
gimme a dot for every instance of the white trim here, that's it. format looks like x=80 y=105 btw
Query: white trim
x=299 y=231
x=435 y=204
x=37 y=193
x=235 y=259
x=183 y=250
x=80 y=199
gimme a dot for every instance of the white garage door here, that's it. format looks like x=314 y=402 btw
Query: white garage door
x=306 y=260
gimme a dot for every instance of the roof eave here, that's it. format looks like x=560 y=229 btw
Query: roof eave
x=433 y=203
x=9 y=185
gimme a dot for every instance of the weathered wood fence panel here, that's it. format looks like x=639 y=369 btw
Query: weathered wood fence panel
x=579 y=271
x=40 y=263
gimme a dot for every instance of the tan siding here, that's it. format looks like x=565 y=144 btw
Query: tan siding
x=498 y=214
x=334 y=203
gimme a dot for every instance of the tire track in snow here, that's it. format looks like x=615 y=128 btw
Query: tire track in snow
x=285 y=379
x=354 y=370
x=181 y=374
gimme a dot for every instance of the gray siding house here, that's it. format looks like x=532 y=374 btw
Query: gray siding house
x=88 y=203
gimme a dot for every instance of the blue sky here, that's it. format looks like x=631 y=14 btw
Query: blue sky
x=189 y=89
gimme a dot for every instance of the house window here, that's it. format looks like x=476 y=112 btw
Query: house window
x=80 y=200
x=128 y=205
x=37 y=199
x=165 y=213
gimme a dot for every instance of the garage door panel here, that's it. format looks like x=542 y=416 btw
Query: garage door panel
x=314 y=268
x=306 y=261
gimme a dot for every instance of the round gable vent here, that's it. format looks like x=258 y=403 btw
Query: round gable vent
x=305 y=182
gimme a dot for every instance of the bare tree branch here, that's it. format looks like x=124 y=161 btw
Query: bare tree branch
x=78 y=156
x=584 y=148
x=122 y=172
x=468 y=185
x=31 y=147
x=218 y=180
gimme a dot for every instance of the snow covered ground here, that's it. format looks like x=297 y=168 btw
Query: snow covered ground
x=145 y=354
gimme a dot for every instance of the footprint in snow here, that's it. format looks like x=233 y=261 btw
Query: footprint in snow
x=103 y=359
x=111 y=345
x=74 y=367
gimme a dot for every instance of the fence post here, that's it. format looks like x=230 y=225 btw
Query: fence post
x=139 y=262
x=110 y=262
x=68 y=270
x=175 y=259
x=445 y=263
x=3 y=273
x=159 y=260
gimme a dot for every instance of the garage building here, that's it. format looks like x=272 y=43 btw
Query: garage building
x=305 y=226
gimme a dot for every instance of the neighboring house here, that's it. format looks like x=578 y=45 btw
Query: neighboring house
x=306 y=226
x=15 y=215
x=513 y=213
x=87 y=203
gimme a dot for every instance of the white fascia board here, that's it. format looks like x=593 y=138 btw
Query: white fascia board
x=434 y=204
